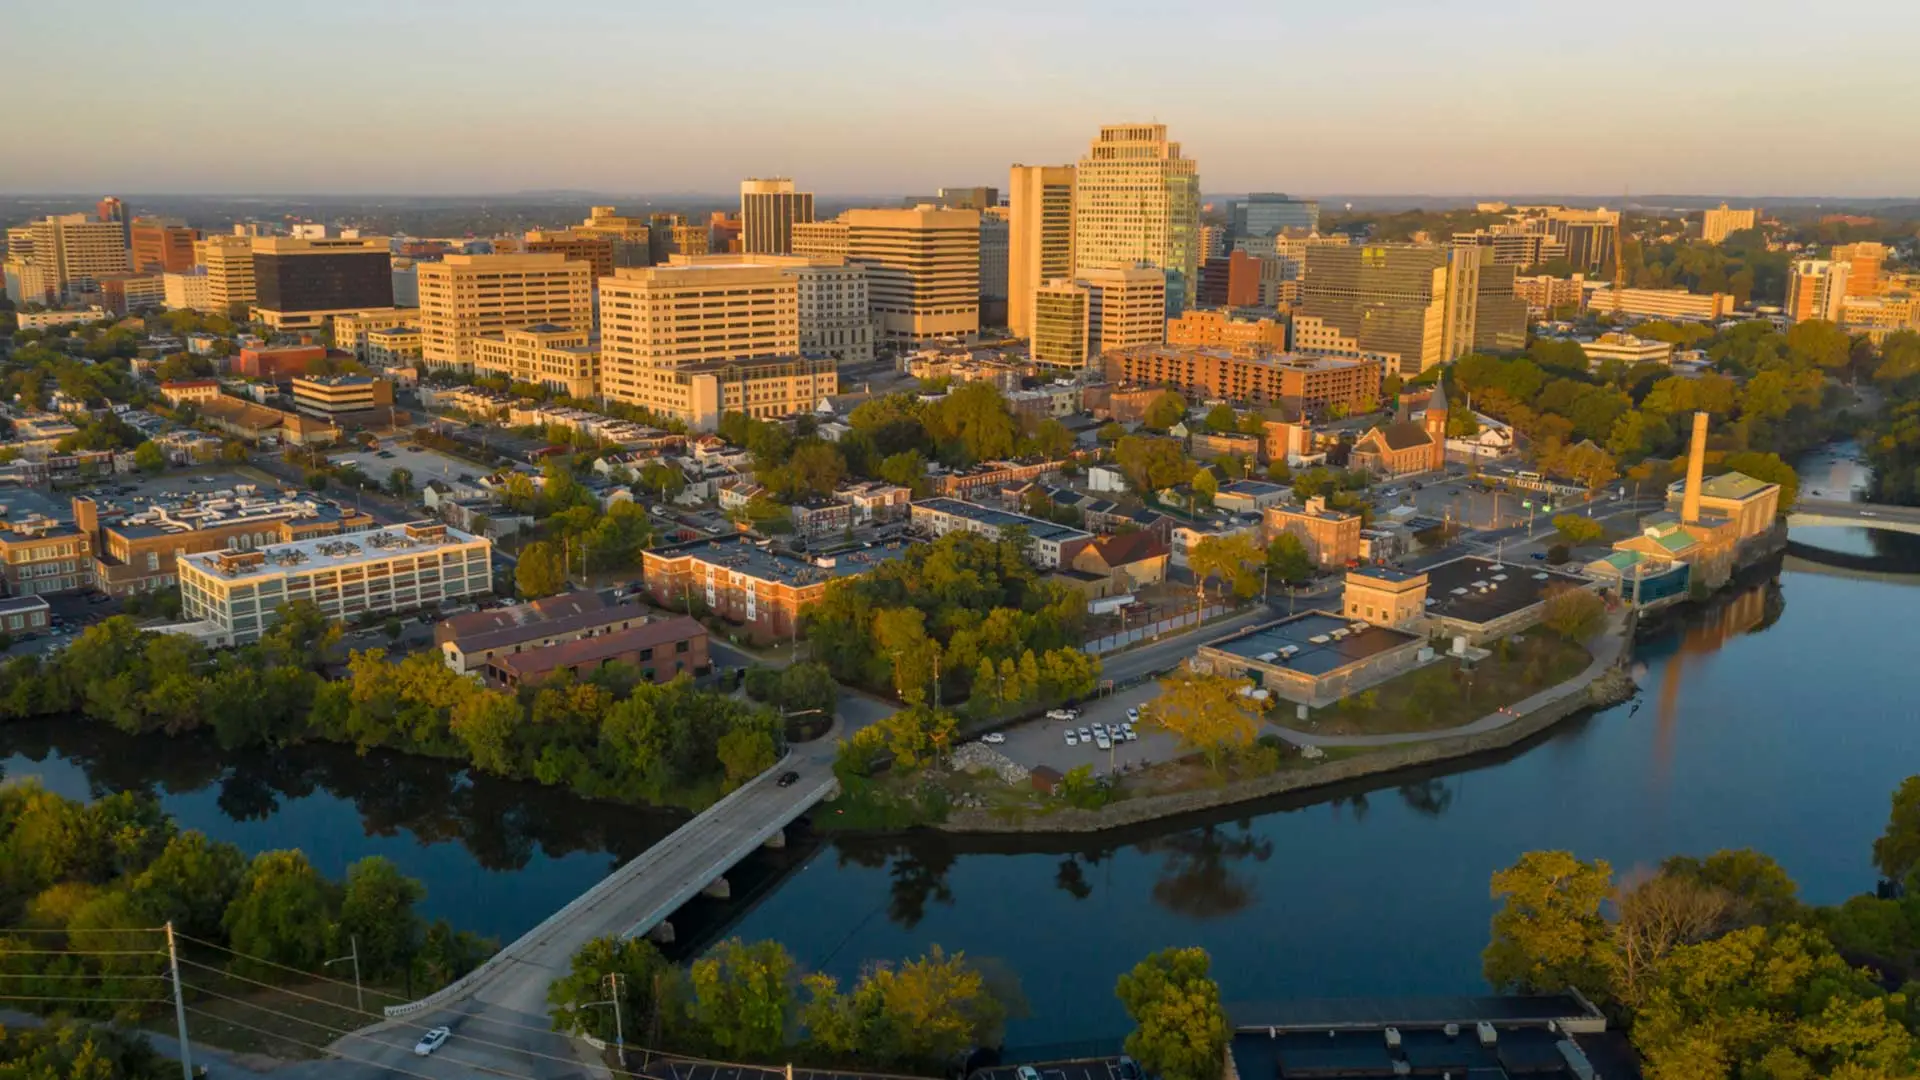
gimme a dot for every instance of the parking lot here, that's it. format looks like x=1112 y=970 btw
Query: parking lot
x=1043 y=742
x=423 y=463
x=1091 y=1069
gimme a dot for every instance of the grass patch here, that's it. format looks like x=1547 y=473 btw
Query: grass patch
x=1444 y=695
x=242 y=1018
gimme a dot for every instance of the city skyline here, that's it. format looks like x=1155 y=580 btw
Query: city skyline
x=1381 y=98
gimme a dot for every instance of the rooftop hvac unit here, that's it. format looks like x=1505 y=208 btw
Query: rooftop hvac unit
x=1460 y=591
x=1356 y=627
x=1488 y=1036
x=1499 y=577
x=1269 y=657
x=1452 y=1031
x=1319 y=639
x=1339 y=635
x=1393 y=1038
x=1287 y=651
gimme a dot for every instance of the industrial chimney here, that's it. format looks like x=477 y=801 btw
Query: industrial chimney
x=1696 y=463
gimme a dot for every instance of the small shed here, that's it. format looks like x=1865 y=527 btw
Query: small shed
x=1046 y=779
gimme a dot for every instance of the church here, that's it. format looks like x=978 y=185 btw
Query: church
x=1406 y=446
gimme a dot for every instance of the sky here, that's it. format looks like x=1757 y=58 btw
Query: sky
x=1359 y=97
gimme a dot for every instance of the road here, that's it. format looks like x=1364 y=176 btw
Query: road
x=502 y=1026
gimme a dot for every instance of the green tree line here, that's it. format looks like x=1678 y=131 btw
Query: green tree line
x=1716 y=967
x=614 y=736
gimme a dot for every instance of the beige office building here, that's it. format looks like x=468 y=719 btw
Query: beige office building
x=1817 y=289
x=923 y=270
x=188 y=291
x=1039 y=237
x=229 y=263
x=821 y=239
x=466 y=297
x=1863 y=262
x=1717 y=225
x=632 y=237
x=836 y=314
x=1661 y=303
x=1136 y=201
x=78 y=250
x=769 y=209
x=352 y=332
x=1417 y=304
x=767 y=388
x=563 y=359
x=658 y=319
x=1078 y=320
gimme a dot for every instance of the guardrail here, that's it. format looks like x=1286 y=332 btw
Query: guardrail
x=465 y=985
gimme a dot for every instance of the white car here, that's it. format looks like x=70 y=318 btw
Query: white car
x=993 y=738
x=1133 y=716
x=1063 y=714
x=1072 y=739
x=1086 y=735
x=1129 y=734
x=1099 y=730
x=1102 y=741
x=431 y=1041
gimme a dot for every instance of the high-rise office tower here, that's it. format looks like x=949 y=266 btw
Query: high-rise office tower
x=1039 y=237
x=631 y=236
x=1062 y=314
x=1264 y=213
x=1863 y=261
x=110 y=208
x=76 y=251
x=1128 y=307
x=162 y=244
x=1419 y=304
x=923 y=270
x=836 y=318
x=820 y=239
x=595 y=251
x=466 y=297
x=769 y=209
x=1589 y=237
x=1817 y=289
x=229 y=263
x=302 y=277
x=1717 y=225
x=993 y=266
x=1136 y=201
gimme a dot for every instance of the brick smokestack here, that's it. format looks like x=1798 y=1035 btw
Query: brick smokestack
x=1696 y=464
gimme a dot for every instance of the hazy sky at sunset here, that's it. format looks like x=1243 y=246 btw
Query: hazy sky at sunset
x=1750 y=97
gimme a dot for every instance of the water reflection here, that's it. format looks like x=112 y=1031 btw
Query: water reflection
x=1431 y=796
x=502 y=824
x=918 y=870
x=1198 y=878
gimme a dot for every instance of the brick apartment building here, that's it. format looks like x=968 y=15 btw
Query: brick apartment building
x=1302 y=383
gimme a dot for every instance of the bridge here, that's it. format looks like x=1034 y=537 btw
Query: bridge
x=509 y=991
x=1813 y=513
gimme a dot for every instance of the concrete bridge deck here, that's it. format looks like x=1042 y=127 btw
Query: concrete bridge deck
x=1813 y=513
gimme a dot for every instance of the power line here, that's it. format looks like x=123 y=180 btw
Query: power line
x=96 y=1000
x=284 y=967
x=88 y=975
x=80 y=952
x=91 y=930
x=336 y=1053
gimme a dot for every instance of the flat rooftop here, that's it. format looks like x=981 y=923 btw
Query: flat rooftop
x=1002 y=519
x=1311 y=634
x=332 y=552
x=1348 y=1038
x=1390 y=574
x=1473 y=589
x=746 y=557
x=220 y=509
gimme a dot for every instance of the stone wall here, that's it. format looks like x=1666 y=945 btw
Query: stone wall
x=1587 y=690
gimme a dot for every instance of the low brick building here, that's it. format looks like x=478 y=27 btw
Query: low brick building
x=761 y=589
x=663 y=650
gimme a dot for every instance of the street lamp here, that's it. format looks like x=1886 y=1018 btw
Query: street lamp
x=358 y=1003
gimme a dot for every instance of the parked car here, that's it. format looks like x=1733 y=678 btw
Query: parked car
x=993 y=738
x=1026 y=1072
x=1086 y=735
x=431 y=1041
x=1100 y=740
x=1072 y=739
x=1130 y=734
x=1133 y=716
x=1063 y=714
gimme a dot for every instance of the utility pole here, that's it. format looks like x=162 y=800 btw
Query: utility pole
x=359 y=1003
x=619 y=1023
x=179 y=1005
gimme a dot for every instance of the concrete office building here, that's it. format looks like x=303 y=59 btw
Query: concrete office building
x=1039 y=237
x=385 y=570
x=1543 y=293
x=1717 y=225
x=1863 y=261
x=1268 y=213
x=1588 y=235
x=30 y=283
x=1661 y=303
x=161 y=244
x=563 y=359
x=765 y=388
x=342 y=398
x=76 y=251
x=769 y=209
x=300 y=283
x=820 y=239
x=352 y=333
x=836 y=315
x=632 y=237
x=923 y=270
x=994 y=241
x=122 y=293
x=1817 y=289
x=188 y=291
x=595 y=251
x=230 y=281
x=1136 y=201
x=1127 y=307
x=136 y=545
x=466 y=297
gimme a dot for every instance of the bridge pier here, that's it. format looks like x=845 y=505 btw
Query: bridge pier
x=661 y=934
x=718 y=890
x=778 y=840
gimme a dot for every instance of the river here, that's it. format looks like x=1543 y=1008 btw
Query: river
x=1779 y=718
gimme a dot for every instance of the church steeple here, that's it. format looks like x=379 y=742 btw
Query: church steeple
x=1436 y=423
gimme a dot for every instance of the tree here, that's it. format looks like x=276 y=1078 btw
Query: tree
x=741 y=997
x=1897 y=850
x=1205 y=487
x=906 y=468
x=1234 y=559
x=539 y=572
x=1574 y=613
x=1180 y=1031
x=400 y=482
x=1548 y=934
x=1222 y=418
x=1165 y=411
x=1206 y=712
x=1576 y=529
x=745 y=754
x=1819 y=343
x=376 y=913
x=1150 y=463
x=148 y=458
x=576 y=1002
x=1052 y=440
x=923 y=1013
x=63 y=1050
x=1656 y=916
x=281 y=913
x=190 y=884
x=1287 y=558
x=1769 y=468
x=1110 y=432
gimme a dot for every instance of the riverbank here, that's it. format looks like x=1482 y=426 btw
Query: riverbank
x=1603 y=682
